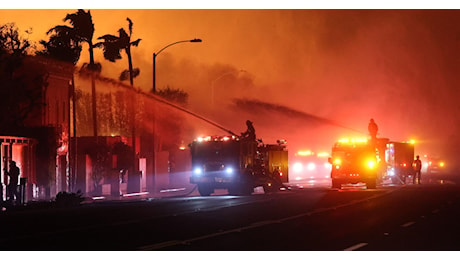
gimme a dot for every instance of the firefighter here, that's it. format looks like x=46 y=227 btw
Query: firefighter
x=417 y=169
x=373 y=129
x=250 y=133
x=13 y=184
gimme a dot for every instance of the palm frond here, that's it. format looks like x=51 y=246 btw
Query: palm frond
x=136 y=42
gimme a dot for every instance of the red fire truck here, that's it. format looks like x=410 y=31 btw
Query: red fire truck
x=238 y=165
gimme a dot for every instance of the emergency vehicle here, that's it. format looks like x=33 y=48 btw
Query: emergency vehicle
x=399 y=157
x=237 y=164
x=306 y=165
x=371 y=161
x=354 y=161
x=435 y=165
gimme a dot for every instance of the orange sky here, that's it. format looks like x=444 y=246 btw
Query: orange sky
x=398 y=66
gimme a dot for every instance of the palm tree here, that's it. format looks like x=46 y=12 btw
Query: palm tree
x=82 y=30
x=112 y=45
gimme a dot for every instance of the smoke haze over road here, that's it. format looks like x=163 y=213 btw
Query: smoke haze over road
x=399 y=67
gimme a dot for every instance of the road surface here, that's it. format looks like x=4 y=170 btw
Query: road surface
x=305 y=218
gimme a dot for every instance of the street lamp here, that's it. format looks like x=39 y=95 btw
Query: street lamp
x=154 y=107
x=218 y=78
x=156 y=54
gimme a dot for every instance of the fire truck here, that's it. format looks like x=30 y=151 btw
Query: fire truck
x=354 y=161
x=399 y=157
x=370 y=161
x=237 y=164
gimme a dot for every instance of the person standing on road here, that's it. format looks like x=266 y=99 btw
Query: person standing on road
x=417 y=169
x=13 y=184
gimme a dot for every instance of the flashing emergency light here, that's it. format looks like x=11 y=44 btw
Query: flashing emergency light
x=337 y=161
x=371 y=164
x=304 y=153
x=215 y=138
x=353 y=140
x=323 y=154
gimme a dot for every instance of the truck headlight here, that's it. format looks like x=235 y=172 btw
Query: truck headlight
x=297 y=167
x=197 y=171
x=229 y=170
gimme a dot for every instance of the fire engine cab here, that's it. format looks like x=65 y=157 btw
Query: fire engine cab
x=237 y=164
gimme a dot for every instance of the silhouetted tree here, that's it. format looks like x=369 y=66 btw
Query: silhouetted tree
x=112 y=46
x=82 y=30
x=62 y=46
x=174 y=95
x=22 y=83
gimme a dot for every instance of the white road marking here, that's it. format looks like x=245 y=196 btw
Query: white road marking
x=357 y=246
x=408 y=224
x=260 y=224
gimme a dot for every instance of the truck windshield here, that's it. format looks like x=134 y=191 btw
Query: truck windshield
x=215 y=150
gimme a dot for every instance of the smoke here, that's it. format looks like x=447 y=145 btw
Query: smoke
x=276 y=67
x=345 y=66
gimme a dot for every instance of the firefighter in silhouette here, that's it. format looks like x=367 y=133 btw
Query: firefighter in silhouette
x=373 y=129
x=13 y=184
x=250 y=133
x=417 y=169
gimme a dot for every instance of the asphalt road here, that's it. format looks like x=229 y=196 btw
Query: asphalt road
x=392 y=217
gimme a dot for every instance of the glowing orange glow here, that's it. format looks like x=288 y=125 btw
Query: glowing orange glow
x=296 y=57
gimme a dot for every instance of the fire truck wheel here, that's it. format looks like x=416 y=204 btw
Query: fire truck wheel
x=269 y=188
x=234 y=190
x=205 y=190
x=241 y=189
x=371 y=184
x=336 y=184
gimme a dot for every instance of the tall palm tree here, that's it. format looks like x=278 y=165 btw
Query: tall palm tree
x=82 y=30
x=112 y=45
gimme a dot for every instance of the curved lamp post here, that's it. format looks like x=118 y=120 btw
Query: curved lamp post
x=156 y=54
x=154 y=92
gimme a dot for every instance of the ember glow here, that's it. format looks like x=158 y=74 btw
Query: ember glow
x=342 y=67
